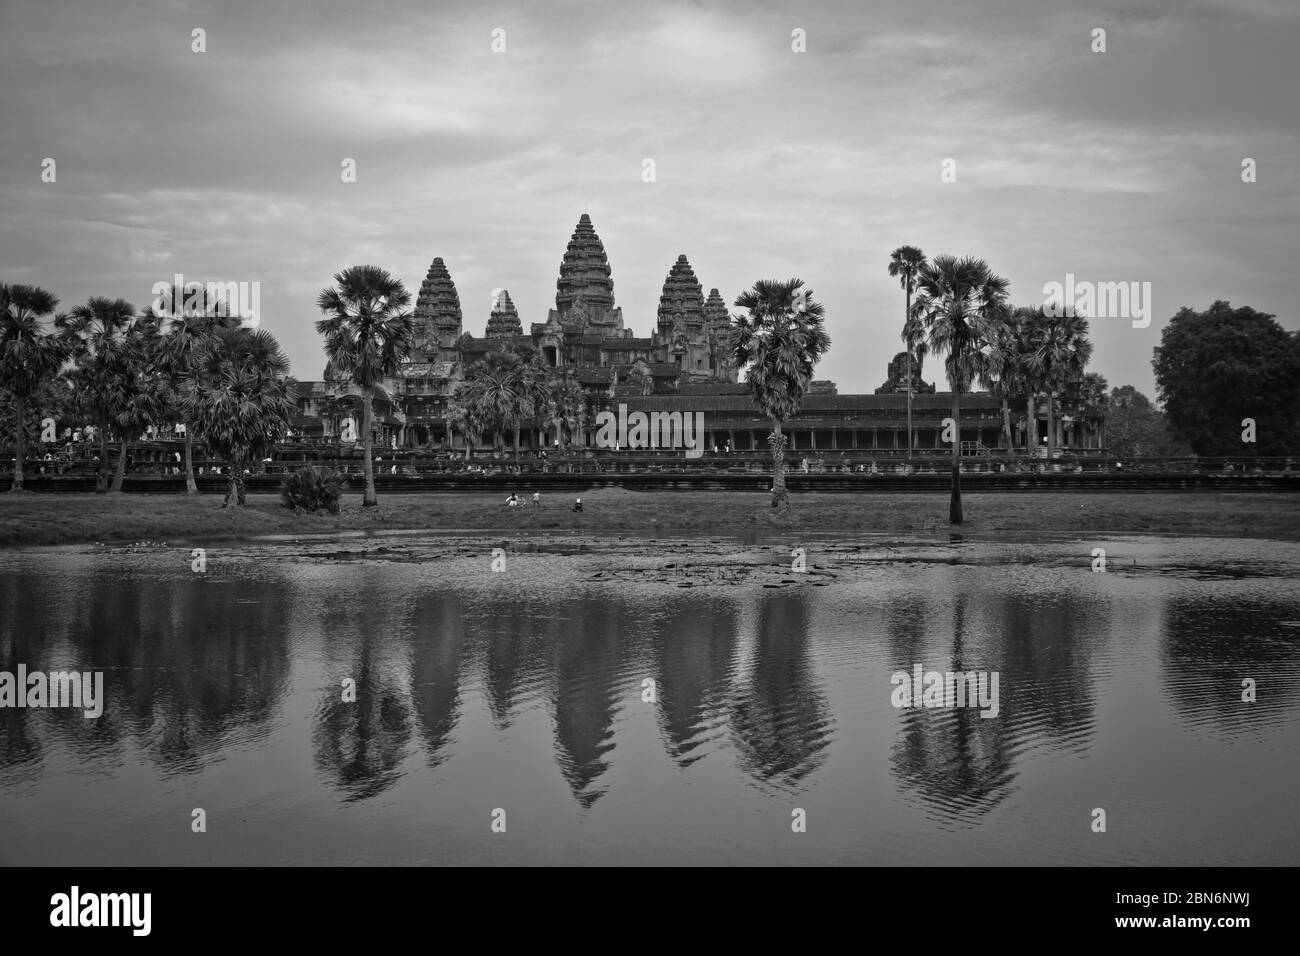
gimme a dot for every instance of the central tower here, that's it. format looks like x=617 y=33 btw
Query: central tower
x=584 y=292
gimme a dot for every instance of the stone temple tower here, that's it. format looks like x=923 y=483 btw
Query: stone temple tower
x=717 y=327
x=504 y=320
x=681 y=304
x=436 y=317
x=584 y=292
x=687 y=328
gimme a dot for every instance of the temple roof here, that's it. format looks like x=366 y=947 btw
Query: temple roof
x=504 y=319
x=585 y=273
x=437 y=309
x=681 y=303
x=716 y=316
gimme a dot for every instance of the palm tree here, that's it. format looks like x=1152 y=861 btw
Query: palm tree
x=106 y=357
x=958 y=300
x=367 y=334
x=1061 y=349
x=566 y=404
x=29 y=356
x=1002 y=366
x=904 y=264
x=463 y=411
x=236 y=394
x=183 y=334
x=779 y=344
x=143 y=389
x=499 y=393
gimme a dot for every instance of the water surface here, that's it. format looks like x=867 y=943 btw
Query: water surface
x=525 y=690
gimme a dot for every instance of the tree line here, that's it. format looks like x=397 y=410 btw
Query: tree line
x=229 y=384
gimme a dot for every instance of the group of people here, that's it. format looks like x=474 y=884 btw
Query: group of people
x=514 y=502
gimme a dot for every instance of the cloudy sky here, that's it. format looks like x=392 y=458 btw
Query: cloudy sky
x=1117 y=166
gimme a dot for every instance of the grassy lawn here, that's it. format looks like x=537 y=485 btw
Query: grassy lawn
x=35 y=519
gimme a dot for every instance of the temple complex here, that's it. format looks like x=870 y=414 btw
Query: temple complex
x=682 y=365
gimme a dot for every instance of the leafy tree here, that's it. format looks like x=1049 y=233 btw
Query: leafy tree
x=368 y=333
x=113 y=374
x=184 y=329
x=505 y=390
x=905 y=263
x=1003 y=365
x=1135 y=427
x=959 y=302
x=1218 y=367
x=1061 y=349
x=463 y=412
x=779 y=344
x=566 y=405
x=236 y=394
x=30 y=357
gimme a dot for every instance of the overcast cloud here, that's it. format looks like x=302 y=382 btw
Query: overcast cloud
x=225 y=165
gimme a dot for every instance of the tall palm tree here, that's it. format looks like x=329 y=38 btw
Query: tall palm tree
x=1002 y=368
x=143 y=389
x=1093 y=392
x=502 y=393
x=778 y=344
x=566 y=405
x=1061 y=349
x=183 y=332
x=367 y=334
x=236 y=394
x=106 y=357
x=463 y=412
x=904 y=264
x=29 y=356
x=957 y=302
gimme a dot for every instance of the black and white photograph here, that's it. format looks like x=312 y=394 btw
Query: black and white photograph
x=680 y=434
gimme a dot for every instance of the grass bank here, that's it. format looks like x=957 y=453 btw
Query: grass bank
x=32 y=519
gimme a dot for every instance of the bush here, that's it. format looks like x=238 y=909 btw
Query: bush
x=312 y=489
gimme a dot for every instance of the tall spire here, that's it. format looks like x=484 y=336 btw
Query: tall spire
x=584 y=274
x=715 y=312
x=681 y=306
x=437 y=317
x=504 y=319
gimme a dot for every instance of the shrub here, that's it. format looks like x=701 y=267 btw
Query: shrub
x=312 y=489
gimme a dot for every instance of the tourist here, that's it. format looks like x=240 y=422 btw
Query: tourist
x=577 y=505
x=537 y=499
x=512 y=501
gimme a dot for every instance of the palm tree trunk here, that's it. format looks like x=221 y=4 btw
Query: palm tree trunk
x=1006 y=427
x=1031 y=428
x=780 y=496
x=906 y=317
x=120 y=476
x=954 y=504
x=101 y=479
x=516 y=444
x=369 y=499
x=191 y=486
x=20 y=442
x=1051 y=427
